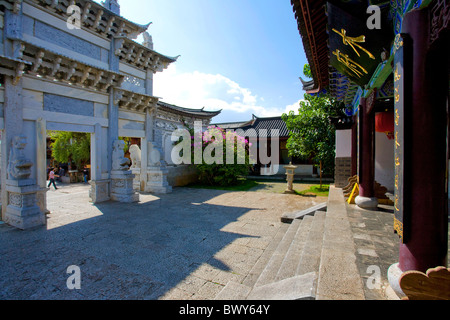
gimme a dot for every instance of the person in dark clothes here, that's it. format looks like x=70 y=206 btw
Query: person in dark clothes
x=85 y=174
x=61 y=173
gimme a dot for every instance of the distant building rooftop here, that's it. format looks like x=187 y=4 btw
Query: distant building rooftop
x=269 y=124
x=200 y=113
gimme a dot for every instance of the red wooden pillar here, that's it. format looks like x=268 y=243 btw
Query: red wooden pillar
x=424 y=198
x=355 y=146
x=366 y=197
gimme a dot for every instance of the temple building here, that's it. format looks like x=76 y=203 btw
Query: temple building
x=75 y=66
x=271 y=135
x=389 y=63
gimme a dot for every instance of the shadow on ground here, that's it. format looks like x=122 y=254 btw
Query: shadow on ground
x=126 y=251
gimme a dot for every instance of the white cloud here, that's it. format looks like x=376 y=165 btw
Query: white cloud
x=293 y=107
x=214 y=92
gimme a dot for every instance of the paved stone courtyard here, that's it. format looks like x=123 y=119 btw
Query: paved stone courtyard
x=184 y=245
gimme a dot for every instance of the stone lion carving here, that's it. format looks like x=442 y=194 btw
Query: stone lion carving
x=135 y=155
x=19 y=167
x=120 y=163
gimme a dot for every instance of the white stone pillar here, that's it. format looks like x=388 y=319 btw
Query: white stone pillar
x=22 y=210
x=149 y=126
x=100 y=189
x=149 y=83
x=41 y=163
x=13 y=115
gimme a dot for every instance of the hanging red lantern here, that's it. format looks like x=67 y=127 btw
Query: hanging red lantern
x=384 y=122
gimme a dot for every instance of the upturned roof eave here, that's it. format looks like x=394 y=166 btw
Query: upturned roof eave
x=310 y=16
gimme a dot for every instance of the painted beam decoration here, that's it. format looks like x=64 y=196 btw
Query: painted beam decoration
x=355 y=50
x=402 y=92
x=398 y=9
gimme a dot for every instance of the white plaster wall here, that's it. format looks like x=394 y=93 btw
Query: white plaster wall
x=384 y=161
x=302 y=170
x=343 y=143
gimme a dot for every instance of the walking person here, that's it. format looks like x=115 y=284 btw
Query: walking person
x=85 y=174
x=52 y=176
x=61 y=173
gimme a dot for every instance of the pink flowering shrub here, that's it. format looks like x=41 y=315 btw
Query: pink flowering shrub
x=221 y=157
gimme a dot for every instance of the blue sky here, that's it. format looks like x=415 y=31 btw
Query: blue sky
x=242 y=56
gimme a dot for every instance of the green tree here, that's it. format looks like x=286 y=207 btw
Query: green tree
x=71 y=147
x=312 y=135
x=307 y=71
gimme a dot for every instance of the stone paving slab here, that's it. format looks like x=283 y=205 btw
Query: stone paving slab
x=377 y=247
x=184 y=245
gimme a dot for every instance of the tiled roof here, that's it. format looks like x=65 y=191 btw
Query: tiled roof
x=268 y=124
x=201 y=113
x=232 y=125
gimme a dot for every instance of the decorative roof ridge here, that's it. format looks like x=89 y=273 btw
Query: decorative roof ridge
x=140 y=45
x=204 y=113
x=188 y=109
x=102 y=17
x=144 y=27
x=231 y=122
x=268 y=118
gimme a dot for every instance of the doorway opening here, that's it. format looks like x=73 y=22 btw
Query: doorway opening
x=69 y=163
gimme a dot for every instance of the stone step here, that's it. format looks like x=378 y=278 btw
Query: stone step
x=262 y=262
x=270 y=272
x=239 y=291
x=301 y=287
x=290 y=263
x=289 y=217
x=291 y=272
x=310 y=258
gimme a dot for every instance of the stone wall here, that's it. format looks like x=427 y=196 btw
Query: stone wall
x=343 y=171
x=180 y=176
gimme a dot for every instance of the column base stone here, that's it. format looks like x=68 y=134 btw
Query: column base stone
x=99 y=191
x=157 y=181
x=394 y=273
x=22 y=210
x=366 y=202
x=122 y=189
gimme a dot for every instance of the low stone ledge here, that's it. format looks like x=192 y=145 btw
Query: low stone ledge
x=339 y=278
